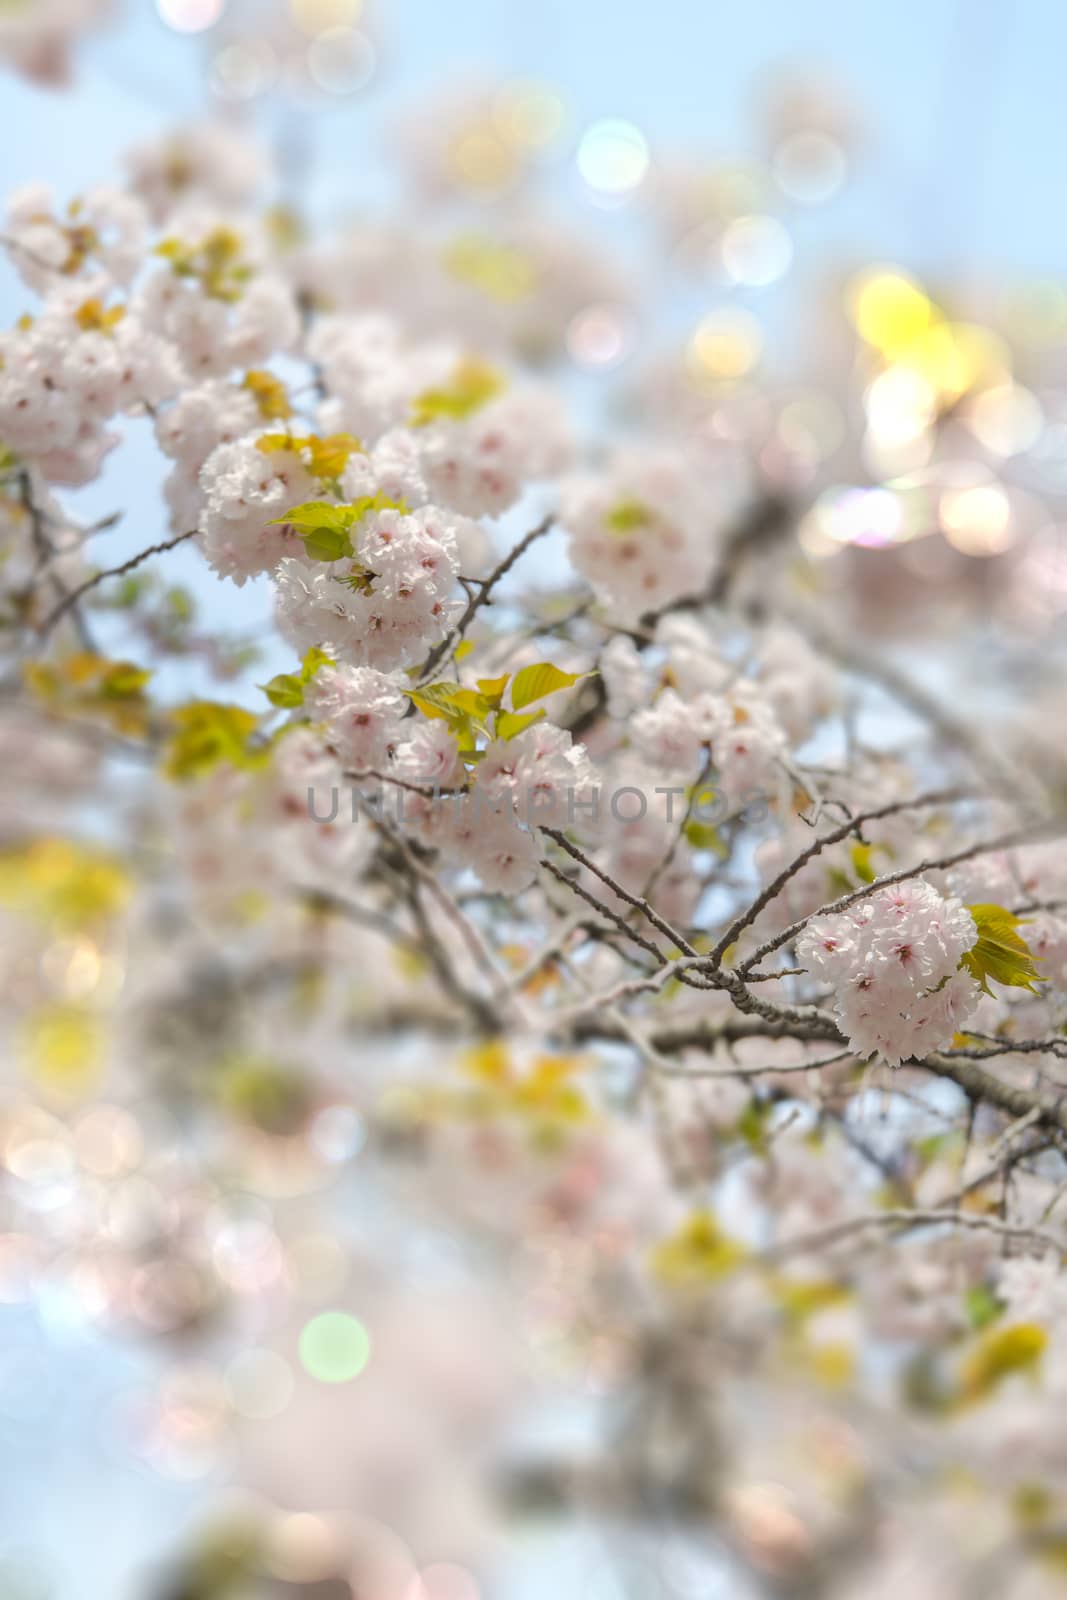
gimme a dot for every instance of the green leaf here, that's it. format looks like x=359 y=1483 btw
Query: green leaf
x=180 y=603
x=123 y=679
x=1000 y=952
x=982 y=1305
x=129 y=591
x=323 y=528
x=285 y=690
x=509 y=724
x=702 y=836
x=534 y=683
x=326 y=544
x=752 y=1123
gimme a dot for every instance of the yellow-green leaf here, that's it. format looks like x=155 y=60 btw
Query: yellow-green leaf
x=323 y=528
x=534 y=683
x=493 y=689
x=498 y=270
x=628 y=516
x=702 y=836
x=313 y=660
x=285 y=690
x=473 y=384
x=1000 y=952
x=315 y=514
x=1016 y=1348
x=982 y=1306
x=207 y=733
x=509 y=724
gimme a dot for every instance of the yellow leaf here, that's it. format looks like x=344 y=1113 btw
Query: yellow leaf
x=1003 y=1350
x=63 y=882
x=473 y=384
x=698 y=1253
x=543 y=678
x=91 y=317
x=500 y=271
x=64 y=1048
x=269 y=394
x=489 y=1062
x=832 y=1364
x=328 y=458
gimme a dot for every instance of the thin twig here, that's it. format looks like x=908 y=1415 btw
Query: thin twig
x=72 y=598
x=475 y=603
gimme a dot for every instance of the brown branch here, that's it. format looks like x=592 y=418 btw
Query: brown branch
x=72 y=598
x=774 y=889
x=1006 y=841
x=475 y=603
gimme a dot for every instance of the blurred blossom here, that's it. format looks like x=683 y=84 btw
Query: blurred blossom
x=756 y=251
x=810 y=167
x=613 y=158
x=259 y=1383
x=320 y=16
x=341 y=60
x=726 y=345
x=191 y=16
x=599 y=336
x=304 y=1549
x=334 y=1347
x=243 y=70
x=108 y=1140
x=443 y=1581
x=843 y=516
x=337 y=1133
x=978 y=520
x=1007 y=419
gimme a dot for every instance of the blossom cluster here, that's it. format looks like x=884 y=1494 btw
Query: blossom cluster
x=892 y=961
x=37 y=37
x=489 y=826
x=639 y=532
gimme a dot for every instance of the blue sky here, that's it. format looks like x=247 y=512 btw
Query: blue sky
x=962 y=99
